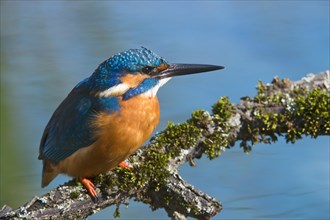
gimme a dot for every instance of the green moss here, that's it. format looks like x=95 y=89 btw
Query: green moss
x=74 y=194
x=121 y=178
x=201 y=119
x=186 y=135
x=222 y=110
x=261 y=89
x=309 y=115
x=151 y=170
x=305 y=114
x=178 y=137
x=216 y=142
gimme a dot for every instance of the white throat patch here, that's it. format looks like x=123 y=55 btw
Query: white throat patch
x=121 y=88
x=115 y=90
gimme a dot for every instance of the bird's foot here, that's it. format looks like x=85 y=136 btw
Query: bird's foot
x=89 y=187
x=125 y=165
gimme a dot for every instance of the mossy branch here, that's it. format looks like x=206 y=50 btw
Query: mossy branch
x=282 y=108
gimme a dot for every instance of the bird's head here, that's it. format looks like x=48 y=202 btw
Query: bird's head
x=138 y=71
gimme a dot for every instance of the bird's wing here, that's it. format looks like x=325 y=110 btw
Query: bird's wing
x=70 y=127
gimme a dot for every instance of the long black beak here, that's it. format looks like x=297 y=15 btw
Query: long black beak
x=185 y=69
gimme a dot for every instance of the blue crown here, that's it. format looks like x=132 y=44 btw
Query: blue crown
x=108 y=73
x=133 y=60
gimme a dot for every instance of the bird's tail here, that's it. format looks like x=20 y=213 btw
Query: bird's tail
x=48 y=173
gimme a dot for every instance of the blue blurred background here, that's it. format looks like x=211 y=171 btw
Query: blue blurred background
x=49 y=46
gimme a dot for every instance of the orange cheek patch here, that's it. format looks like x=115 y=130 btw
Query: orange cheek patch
x=162 y=67
x=133 y=80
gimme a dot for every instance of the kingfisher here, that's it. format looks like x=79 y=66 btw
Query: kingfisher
x=107 y=116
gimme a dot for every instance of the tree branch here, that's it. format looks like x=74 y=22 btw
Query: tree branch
x=284 y=107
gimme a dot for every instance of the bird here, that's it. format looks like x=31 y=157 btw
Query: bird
x=107 y=116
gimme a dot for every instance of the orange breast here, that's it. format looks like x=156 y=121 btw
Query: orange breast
x=124 y=132
x=119 y=135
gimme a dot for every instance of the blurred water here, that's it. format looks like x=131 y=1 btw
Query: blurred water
x=49 y=46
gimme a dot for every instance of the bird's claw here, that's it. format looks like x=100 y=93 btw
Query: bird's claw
x=89 y=187
x=125 y=165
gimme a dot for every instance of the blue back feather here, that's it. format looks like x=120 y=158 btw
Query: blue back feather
x=70 y=127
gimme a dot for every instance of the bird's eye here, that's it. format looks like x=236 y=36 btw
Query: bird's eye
x=147 y=69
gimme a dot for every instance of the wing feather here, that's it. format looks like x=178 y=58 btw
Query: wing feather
x=70 y=127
